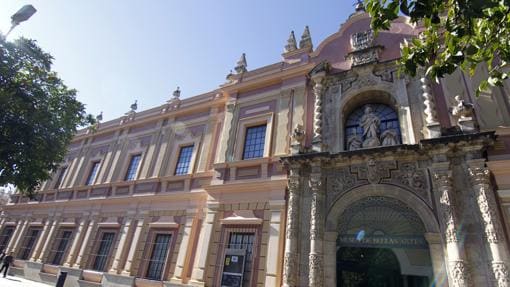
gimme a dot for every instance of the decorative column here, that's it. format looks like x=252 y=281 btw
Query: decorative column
x=432 y=129
x=134 y=243
x=49 y=239
x=492 y=225
x=184 y=250
x=290 y=261
x=317 y=113
x=76 y=242
x=316 y=258
x=15 y=242
x=41 y=240
x=457 y=265
x=198 y=275
x=124 y=231
x=85 y=242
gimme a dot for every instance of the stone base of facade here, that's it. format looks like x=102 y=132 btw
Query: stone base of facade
x=73 y=275
x=114 y=280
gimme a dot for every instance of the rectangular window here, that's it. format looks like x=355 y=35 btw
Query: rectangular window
x=254 y=142
x=28 y=243
x=103 y=251
x=133 y=166
x=60 y=246
x=156 y=265
x=184 y=160
x=5 y=237
x=92 y=173
x=60 y=177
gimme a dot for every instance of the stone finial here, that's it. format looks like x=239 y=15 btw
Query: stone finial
x=306 y=39
x=176 y=94
x=99 y=117
x=291 y=43
x=134 y=106
x=241 y=66
x=360 y=7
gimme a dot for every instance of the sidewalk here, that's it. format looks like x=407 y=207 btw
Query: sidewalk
x=11 y=281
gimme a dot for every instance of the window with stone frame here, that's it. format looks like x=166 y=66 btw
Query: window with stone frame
x=61 y=245
x=134 y=162
x=246 y=239
x=28 y=243
x=184 y=160
x=254 y=142
x=60 y=177
x=5 y=237
x=92 y=173
x=372 y=125
x=157 y=254
x=103 y=247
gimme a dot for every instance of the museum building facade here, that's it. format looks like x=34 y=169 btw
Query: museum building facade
x=328 y=168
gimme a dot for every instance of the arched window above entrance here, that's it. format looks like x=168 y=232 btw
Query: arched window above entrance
x=372 y=125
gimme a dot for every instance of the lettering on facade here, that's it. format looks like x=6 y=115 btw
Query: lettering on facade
x=383 y=241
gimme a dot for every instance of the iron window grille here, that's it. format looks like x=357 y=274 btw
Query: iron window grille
x=184 y=160
x=60 y=246
x=254 y=142
x=104 y=247
x=92 y=173
x=133 y=166
x=241 y=238
x=159 y=249
x=5 y=237
x=29 y=241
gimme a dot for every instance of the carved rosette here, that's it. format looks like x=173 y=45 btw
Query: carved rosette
x=317 y=115
x=500 y=274
x=316 y=263
x=486 y=204
x=447 y=207
x=289 y=269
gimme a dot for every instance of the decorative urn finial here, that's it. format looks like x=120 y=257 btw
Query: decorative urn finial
x=134 y=106
x=176 y=94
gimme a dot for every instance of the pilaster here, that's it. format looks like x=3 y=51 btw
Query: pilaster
x=76 y=242
x=49 y=239
x=184 y=250
x=273 y=244
x=140 y=222
x=198 y=275
x=92 y=225
x=124 y=232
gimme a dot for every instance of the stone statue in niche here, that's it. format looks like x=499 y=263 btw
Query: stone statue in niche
x=370 y=123
x=354 y=142
x=389 y=137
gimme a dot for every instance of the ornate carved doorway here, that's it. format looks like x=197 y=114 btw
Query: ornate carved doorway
x=381 y=243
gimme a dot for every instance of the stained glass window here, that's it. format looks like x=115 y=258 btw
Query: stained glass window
x=184 y=160
x=385 y=129
x=254 y=142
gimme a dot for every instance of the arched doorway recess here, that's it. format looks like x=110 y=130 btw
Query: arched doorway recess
x=380 y=239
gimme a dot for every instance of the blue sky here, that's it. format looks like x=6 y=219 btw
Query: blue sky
x=116 y=52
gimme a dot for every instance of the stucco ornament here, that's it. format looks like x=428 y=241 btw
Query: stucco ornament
x=500 y=273
x=316 y=264
x=486 y=203
x=370 y=123
x=460 y=274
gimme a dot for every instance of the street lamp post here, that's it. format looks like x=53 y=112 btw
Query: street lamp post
x=22 y=15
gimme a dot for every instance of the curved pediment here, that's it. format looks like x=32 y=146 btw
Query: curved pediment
x=337 y=47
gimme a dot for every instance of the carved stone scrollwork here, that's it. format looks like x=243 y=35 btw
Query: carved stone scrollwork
x=316 y=263
x=486 y=203
x=460 y=273
x=500 y=274
x=289 y=268
x=446 y=206
x=317 y=117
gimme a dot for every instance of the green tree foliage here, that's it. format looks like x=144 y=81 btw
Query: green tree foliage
x=38 y=115
x=456 y=34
